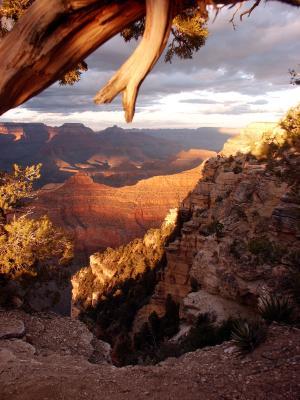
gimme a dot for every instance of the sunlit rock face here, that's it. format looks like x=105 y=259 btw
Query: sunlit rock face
x=240 y=236
x=113 y=267
x=99 y=216
x=16 y=132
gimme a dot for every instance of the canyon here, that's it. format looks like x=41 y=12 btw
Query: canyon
x=231 y=237
x=106 y=188
x=113 y=156
x=98 y=216
x=238 y=237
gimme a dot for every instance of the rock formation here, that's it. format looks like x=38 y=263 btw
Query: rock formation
x=107 y=270
x=242 y=237
x=27 y=336
x=53 y=364
x=113 y=156
x=99 y=216
x=239 y=232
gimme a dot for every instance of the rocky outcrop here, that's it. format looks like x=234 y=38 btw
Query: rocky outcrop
x=114 y=267
x=241 y=237
x=99 y=216
x=48 y=335
x=270 y=372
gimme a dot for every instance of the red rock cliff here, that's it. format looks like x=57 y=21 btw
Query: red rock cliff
x=100 y=216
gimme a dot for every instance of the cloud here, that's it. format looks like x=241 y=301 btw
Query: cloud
x=238 y=73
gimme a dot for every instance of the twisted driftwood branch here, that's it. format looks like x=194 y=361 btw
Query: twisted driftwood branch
x=51 y=38
x=132 y=73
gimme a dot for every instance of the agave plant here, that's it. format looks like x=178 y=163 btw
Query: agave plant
x=277 y=308
x=248 y=335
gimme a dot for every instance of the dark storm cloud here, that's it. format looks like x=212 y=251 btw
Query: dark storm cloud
x=252 y=60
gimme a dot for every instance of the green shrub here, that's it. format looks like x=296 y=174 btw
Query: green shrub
x=248 y=335
x=276 y=308
x=237 y=169
x=170 y=321
x=264 y=249
x=215 y=227
x=206 y=333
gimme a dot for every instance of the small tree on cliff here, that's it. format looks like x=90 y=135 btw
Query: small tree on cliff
x=25 y=243
x=291 y=123
x=52 y=39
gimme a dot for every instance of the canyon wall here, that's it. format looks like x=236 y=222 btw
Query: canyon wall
x=99 y=216
x=242 y=237
x=238 y=232
x=114 y=156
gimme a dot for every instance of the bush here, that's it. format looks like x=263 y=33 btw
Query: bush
x=27 y=246
x=237 y=169
x=215 y=227
x=274 y=308
x=264 y=249
x=291 y=123
x=248 y=335
x=170 y=321
x=206 y=333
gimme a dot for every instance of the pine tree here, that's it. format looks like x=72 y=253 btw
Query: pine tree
x=26 y=244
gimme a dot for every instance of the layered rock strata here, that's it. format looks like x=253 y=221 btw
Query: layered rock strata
x=99 y=216
x=242 y=236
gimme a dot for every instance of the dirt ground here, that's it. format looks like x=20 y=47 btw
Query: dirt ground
x=51 y=362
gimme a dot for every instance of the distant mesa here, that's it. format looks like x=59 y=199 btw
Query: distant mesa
x=100 y=216
x=113 y=156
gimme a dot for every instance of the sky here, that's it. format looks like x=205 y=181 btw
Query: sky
x=240 y=76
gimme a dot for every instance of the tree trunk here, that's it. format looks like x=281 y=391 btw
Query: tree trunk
x=51 y=38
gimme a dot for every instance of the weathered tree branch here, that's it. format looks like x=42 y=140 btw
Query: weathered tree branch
x=51 y=38
x=132 y=73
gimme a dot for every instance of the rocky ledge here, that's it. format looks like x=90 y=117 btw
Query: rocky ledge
x=51 y=362
x=31 y=337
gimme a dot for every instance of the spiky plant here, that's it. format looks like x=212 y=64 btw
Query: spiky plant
x=276 y=308
x=247 y=335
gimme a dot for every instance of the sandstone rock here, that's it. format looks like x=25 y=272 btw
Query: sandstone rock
x=99 y=216
x=49 y=334
x=19 y=348
x=114 y=266
x=11 y=328
x=238 y=210
x=203 y=302
x=271 y=371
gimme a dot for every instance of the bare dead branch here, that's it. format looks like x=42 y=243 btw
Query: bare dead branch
x=54 y=36
x=249 y=11
x=239 y=6
x=132 y=73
